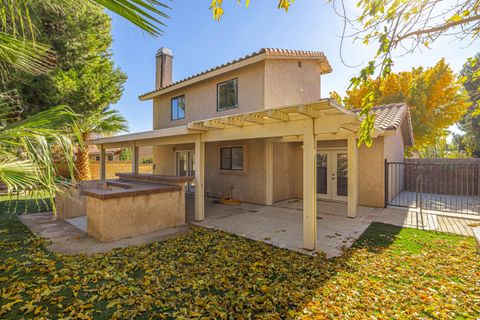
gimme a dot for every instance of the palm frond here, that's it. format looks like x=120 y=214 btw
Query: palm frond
x=18 y=175
x=25 y=55
x=28 y=163
x=146 y=14
x=52 y=118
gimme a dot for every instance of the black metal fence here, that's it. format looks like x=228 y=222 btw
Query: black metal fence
x=450 y=185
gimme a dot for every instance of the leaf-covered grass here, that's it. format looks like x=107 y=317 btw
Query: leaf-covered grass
x=390 y=273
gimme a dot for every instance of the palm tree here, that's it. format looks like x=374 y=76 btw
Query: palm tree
x=26 y=161
x=100 y=122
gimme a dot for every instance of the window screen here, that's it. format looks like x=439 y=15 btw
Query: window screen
x=227 y=95
x=231 y=158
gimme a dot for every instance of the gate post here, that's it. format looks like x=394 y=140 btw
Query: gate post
x=386 y=183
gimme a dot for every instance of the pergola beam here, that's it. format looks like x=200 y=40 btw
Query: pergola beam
x=230 y=121
x=308 y=112
x=196 y=126
x=278 y=115
x=213 y=124
x=252 y=118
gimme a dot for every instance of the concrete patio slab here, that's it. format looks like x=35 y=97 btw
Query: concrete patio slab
x=67 y=239
x=411 y=218
x=79 y=222
x=282 y=226
x=439 y=202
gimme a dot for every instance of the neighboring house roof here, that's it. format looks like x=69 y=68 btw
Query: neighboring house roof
x=96 y=151
x=393 y=116
x=261 y=54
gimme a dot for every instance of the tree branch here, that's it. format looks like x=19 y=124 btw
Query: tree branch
x=439 y=28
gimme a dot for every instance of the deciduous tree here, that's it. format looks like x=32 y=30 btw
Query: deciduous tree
x=435 y=96
x=470 y=123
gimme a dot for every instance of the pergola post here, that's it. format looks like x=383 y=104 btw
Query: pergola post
x=268 y=172
x=199 y=178
x=309 y=190
x=135 y=160
x=103 y=168
x=352 y=155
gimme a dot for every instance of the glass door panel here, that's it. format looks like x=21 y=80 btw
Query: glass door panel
x=191 y=165
x=341 y=174
x=182 y=164
x=185 y=168
x=323 y=187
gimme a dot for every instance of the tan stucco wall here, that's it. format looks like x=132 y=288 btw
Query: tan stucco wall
x=287 y=171
x=249 y=184
x=370 y=174
x=394 y=152
x=164 y=160
x=394 y=147
x=117 y=218
x=287 y=83
x=69 y=203
x=265 y=84
x=201 y=97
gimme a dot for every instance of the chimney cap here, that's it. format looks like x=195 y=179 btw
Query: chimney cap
x=164 y=51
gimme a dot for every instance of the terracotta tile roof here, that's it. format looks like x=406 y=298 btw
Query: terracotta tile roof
x=269 y=52
x=391 y=117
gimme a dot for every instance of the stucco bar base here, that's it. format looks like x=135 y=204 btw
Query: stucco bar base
x=145 y=213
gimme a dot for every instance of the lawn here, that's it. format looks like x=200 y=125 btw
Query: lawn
x=389 y=273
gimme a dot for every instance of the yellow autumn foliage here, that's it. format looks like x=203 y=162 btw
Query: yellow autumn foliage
x=435 y=96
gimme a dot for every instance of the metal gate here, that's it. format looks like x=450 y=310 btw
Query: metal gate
x=448 y=185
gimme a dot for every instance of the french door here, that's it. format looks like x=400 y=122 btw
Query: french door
x=185 y=164
x=332 y=174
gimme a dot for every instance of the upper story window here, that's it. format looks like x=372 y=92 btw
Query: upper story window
x=227 y=95
x=178 y=107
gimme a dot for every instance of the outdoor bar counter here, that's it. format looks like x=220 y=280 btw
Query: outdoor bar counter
x=132 y=205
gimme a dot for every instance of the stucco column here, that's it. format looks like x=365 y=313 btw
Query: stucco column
x=268 y=172
x=199 y=178
x=309 y=190
x=352 y=155
x=135 y=160
x=103 y=168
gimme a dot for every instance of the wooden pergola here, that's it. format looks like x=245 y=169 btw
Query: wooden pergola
x=320 y=120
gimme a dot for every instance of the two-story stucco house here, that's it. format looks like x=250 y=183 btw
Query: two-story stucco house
x=259 y=127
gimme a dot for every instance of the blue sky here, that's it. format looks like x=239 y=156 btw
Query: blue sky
x=198 y=43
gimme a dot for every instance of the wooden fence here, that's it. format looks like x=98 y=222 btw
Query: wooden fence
x=444 y=176
x=113 y=167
